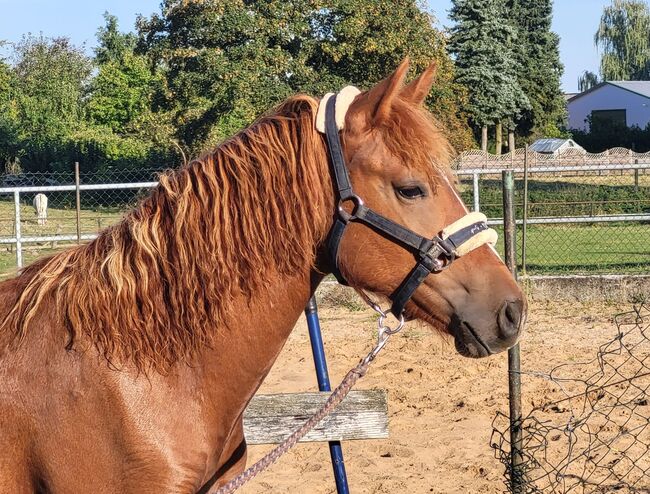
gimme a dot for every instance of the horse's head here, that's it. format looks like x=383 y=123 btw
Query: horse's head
x=398 y=164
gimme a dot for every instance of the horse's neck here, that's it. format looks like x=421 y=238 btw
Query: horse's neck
x=245 y=351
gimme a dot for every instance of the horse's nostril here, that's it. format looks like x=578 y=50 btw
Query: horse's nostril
x=512 y=314
x=509 y=318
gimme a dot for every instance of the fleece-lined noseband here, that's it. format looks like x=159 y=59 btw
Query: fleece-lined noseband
x=432 y=255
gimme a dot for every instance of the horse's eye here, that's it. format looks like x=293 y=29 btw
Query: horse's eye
x=410 y=192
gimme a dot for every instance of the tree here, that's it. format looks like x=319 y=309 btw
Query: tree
x=113 y=44
x=587 y=80
x=125 y=85
x=124 y=127
x=50 y=80
x=8 y=123
x=358 y=41
x=228 y=61
x=624 y=38
x=482 y=42
x=224 y=64
x=539 y=70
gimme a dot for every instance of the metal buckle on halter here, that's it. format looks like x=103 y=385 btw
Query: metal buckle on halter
x=357 y=205
x=441 y=255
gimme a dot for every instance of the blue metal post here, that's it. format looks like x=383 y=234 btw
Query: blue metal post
x=318 y=351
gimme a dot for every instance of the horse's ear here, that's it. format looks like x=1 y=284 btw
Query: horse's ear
x=380 y=98
x=417 y=90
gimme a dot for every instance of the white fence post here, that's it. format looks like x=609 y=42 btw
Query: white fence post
x=477 y=202
x=19 y=243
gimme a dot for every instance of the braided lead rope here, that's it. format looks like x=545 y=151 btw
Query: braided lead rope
x=337 y=396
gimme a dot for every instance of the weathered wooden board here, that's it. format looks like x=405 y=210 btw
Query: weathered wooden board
x=271 y=418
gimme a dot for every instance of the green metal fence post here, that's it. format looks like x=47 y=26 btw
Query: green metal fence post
x=514 y=359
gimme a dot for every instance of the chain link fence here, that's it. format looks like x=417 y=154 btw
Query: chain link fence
x=591 y=431
x=577 y=212
x=104 y=197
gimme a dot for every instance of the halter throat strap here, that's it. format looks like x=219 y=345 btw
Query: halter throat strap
x=431 y=255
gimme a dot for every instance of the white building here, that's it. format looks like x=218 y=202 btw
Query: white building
x=626 y=102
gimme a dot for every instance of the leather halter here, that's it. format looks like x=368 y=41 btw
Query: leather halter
x=432 y=255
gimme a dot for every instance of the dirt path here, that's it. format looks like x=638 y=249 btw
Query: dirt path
x=441 y=405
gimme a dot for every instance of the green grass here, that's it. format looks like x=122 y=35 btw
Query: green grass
x=607 y=248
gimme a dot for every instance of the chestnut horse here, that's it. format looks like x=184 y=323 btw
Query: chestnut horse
x=126 y=363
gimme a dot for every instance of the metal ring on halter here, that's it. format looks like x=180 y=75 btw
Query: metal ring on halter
x=357 y=204
x=387 y=329
x=440 y=264
x=383 y=315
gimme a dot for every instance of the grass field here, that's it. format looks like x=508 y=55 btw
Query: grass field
x=61 y=221
x=607 y=248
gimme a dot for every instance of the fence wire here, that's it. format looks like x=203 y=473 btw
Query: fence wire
x=591 y=434
x=98 y=209
x=569 y=195
x=586 y=213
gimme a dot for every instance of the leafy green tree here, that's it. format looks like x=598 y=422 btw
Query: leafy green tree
x=539 y=69
x=120 y=107
x=227 y=62
x=624 y=38
x=113 y=44
x=358 y=41
x=121 y=92
x=51 y=77
x=224 y=64
x=125 y=85
x=8 y=123
x=587 y=80
x=482 y=42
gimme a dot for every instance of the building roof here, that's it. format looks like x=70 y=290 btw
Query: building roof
x=551 y=146
x=638 y=87
x=642 y=88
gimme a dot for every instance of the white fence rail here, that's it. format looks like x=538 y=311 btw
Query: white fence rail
x=18 y=239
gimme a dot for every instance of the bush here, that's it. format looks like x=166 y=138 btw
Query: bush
x=608 y=135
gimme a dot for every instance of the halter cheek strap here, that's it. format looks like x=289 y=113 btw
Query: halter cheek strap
x=432 y=255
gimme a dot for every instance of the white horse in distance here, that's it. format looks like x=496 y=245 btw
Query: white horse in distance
x=40 y=205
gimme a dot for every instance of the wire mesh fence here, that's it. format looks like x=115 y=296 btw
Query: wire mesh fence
x=99 y=208
x=591 y=431
x=578 y=213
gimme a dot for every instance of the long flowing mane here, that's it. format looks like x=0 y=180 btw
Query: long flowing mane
x=153 y=288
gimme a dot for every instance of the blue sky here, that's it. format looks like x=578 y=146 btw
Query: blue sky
x=574 y=20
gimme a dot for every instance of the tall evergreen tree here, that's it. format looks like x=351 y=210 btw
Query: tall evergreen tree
x=539 y=69
x=624 y=38
x=482 y=42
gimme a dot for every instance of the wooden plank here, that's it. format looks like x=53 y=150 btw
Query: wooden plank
x=271 y=418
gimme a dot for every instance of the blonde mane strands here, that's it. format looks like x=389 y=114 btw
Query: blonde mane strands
x=155 y=287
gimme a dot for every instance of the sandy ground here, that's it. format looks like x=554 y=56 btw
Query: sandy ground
x=441 y=405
